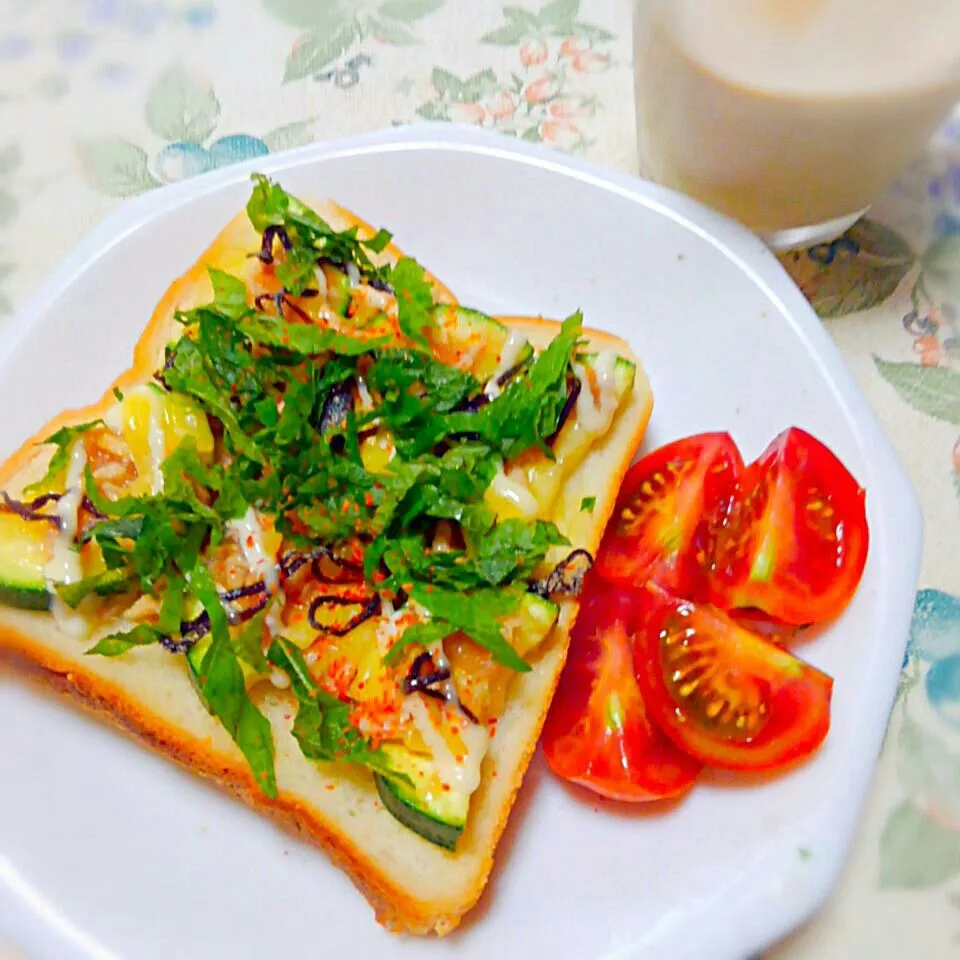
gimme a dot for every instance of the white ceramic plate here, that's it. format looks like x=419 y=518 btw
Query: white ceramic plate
x=108 y=851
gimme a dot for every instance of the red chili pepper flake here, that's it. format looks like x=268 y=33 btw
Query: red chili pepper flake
x=368 y=499
x=331 y=786
x=446 y=786
x=379 y=576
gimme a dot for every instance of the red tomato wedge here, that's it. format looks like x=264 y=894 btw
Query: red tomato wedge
x=667 y=504
x=795 y=543
x=597 y=733
x=724 y=695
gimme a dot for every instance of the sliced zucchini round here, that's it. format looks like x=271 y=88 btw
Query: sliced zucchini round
x=415 y=798
x=472 y=341
x=533 y=621
x=25 y=547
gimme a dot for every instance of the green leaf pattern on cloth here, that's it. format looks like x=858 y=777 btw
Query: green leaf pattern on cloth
x=857 y=271
x=182 y=111
x=334 y=28
x=934 y=391
x=180 y=106
x=318 y=49
x=916 y=852
x=116 y=166
x=920 y=839
x=546 y=95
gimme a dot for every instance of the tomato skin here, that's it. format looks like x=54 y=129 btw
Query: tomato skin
x=669 y=502
x=795 y=543
x=699 y=673
x=597 y=733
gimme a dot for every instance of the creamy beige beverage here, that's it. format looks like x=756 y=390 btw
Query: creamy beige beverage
x=790 y=113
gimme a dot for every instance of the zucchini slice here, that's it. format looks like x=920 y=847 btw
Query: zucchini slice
x=473 y=341
x=532 y=622
x=419 y=802
x=25 y=547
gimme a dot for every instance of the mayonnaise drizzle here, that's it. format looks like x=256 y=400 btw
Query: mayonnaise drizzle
x=272 y=618
x=249 y=535
x=158 y=448
x=462 y=776
x=378 y=299
x=389 y=627
x=320 y=280
x=440 y=661
x=366 y=401
x=64 y=565
x=509 y=355
x=516 y=493
x=596 y=415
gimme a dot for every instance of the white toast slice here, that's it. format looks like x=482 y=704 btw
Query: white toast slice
x=414 y=886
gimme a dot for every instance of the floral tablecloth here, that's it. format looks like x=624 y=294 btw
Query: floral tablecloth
x=104 y=99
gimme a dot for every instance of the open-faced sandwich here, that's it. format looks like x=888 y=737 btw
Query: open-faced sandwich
x=322 y=543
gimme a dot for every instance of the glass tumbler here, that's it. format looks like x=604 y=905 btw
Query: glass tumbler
x=791 y=116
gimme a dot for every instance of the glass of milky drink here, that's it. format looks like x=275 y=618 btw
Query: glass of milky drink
x=792 y=116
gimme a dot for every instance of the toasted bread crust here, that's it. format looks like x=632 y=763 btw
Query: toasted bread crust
x=23 y=646
x=236 y=242
x=108 y=703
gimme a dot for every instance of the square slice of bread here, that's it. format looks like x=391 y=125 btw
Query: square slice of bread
x=414 y=887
